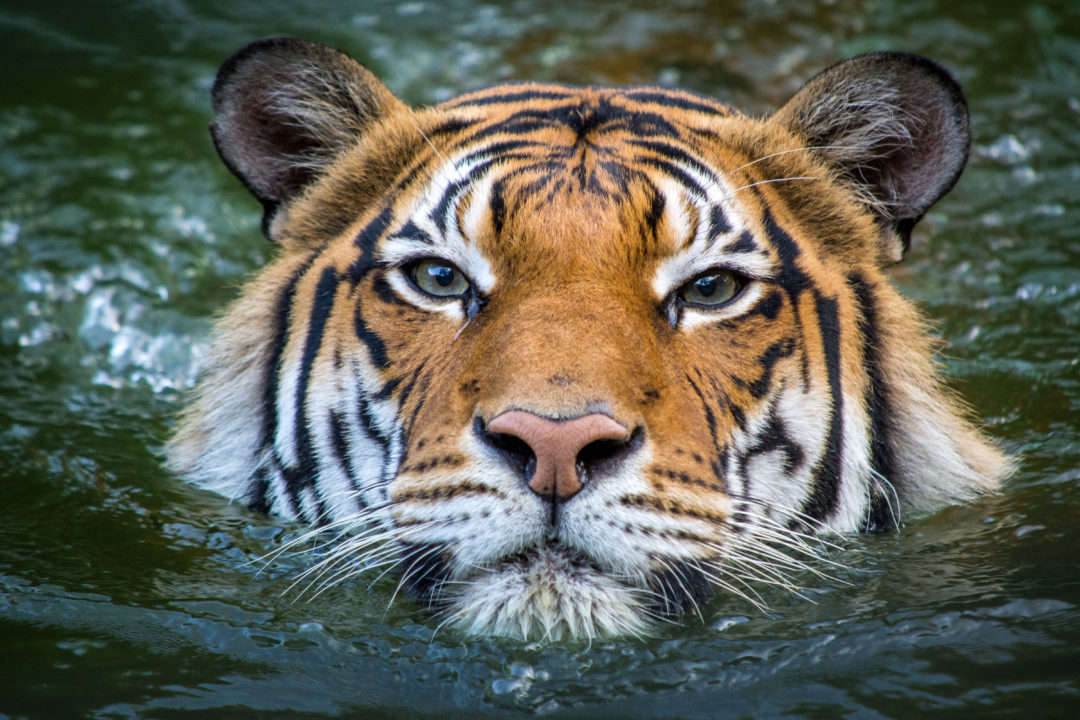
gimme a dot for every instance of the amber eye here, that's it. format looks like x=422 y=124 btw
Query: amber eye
x=712 y=289
x=438 y=278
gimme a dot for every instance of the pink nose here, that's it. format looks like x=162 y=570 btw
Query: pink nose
x=556 y=445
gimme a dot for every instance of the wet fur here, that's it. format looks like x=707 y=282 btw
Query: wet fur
x=342 y=396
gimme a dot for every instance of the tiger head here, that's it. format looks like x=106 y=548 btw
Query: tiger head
x=571 y=359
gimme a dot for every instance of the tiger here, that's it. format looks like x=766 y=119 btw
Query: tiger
x=571 y=361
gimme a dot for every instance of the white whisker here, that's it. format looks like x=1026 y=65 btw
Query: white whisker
x=793 y=150
x=774 y=180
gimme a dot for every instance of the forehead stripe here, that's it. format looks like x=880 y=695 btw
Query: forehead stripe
x=745 y=243
x=678 y=174
x=412 y=231
x=441 y=213
x=718 y=222
x=672 y=100
x=582 y=117
x=678 y=155
x=513 y=97
x=365 y=240
x=502 y=149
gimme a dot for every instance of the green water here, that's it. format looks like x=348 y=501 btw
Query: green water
x=125 y=593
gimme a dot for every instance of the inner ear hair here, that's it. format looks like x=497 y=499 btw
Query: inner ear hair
x=285 y=108
x=895 y=125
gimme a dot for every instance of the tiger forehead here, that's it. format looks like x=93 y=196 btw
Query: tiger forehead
x=480 y=209
x=601 y=137
x=643 y=110
x=591 y=163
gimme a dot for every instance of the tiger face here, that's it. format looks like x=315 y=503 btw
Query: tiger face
x=572 y=359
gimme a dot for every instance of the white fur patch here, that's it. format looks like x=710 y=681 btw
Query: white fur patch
x=702 y=252
x=452 y=246
x=546 y=596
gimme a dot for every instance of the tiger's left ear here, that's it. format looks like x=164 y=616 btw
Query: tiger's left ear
x=896 y=125
x=285 y=109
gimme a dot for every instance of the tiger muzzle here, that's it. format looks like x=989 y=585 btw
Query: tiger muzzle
x=557 y=457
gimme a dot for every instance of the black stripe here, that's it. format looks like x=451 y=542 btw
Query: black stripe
x=719 y=464
x=426 y=572
x=522 y=123
x=656 y=209
x=497 y=205
x=278 y=341
x=774 y=436
x=412 y=231
x=342 y=449
x=386 y=293
x=454 y=125
x=292 y=501
x=257 y=496
x=440 y=214
x=514 y=97
x=375 y=345
x=622 y=175
x=681 y=102
x=718 y=222
x=878 y=405
x=775 y=352
x=739 y=417
x=304 y=473
x=676 y=172
x=406 y=392
x=367 y=424
x=769 y=306
x=682 y=588
x=745 y=244
x=388 y=389
x=677 y=154
x=365 y=240
x=582 y=118
x=825 y=492
x=791 y=276
x=453 y=191
x=710 y=419
x=277 y=347
x=503 y=149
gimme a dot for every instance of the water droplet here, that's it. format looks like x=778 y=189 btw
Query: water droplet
x=1009 y=150
x=9 y=233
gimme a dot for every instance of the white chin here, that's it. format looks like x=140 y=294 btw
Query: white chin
x=546 y=596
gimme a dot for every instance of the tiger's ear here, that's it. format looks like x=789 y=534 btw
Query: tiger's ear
x=285 y=108
x=896 y=125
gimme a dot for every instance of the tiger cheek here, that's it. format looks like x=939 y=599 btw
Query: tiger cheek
x=726 y=368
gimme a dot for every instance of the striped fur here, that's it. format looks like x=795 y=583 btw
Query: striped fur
x=343 y=395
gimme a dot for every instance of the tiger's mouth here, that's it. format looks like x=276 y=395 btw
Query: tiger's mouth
x=552 y=592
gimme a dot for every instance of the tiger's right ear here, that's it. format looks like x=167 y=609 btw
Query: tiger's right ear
x=285 y=108
x=895 y=125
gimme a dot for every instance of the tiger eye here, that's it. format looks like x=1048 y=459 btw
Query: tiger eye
x=439 y=278
x=715 y=288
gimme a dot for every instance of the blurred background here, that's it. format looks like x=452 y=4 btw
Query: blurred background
x=125 y=593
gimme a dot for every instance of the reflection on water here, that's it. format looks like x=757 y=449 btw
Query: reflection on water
x=124 y=593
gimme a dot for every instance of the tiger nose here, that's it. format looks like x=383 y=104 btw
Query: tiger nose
x=564 y=450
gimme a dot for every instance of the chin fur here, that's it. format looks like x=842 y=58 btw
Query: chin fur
x=547 y=596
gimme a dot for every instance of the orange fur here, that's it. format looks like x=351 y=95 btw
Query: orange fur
x=808 y=402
